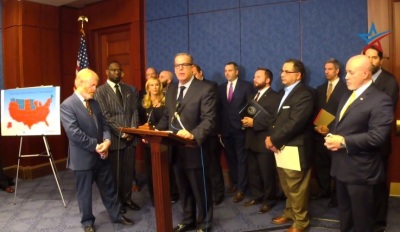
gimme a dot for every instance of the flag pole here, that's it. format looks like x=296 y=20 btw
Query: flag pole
x=82 y=19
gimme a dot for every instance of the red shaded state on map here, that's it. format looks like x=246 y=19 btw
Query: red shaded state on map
x=29 y=114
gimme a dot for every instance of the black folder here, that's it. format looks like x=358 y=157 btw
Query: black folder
x=253 y=109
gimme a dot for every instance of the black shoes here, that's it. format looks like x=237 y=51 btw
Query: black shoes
x=124 y=221
x=89 y=228
x=123 y=210
x=131 y=205
x=184 y=227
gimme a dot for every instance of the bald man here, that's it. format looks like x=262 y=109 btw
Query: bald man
x=361 y=126
x=89 y=140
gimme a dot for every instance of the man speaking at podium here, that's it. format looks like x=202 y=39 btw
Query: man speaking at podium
x=190 y=112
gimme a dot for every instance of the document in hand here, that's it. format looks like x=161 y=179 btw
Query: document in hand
x=324 y=118
x=252 y=109
x=288 y=158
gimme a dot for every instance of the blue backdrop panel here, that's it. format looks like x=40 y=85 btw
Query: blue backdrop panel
x=214 y=41
x=196 y=6
x=330 y=29
x=165 y=38
x=156 y=9
x=244 y=3
x=270 y=35
x=1 y=50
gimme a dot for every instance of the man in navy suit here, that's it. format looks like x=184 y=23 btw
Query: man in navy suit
x=386 y=82
x=233 y=96
x=328 y=96
x=260 y=160
x=191 y=113
x=361 y=126
x=118 y=103
x=292 y=127
x=89 y=141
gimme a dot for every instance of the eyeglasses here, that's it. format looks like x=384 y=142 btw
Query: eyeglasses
x=115 y=70
x=287 y=72
x=184 y=65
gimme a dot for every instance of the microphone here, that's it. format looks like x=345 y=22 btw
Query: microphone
x=149 y=116
x=177 y=105
x=179 y=120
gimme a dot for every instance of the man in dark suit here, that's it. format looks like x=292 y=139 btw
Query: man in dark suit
x=361 y=126
x=233 y=96
x=118 y=103
x=328 y=96
x=292 y=127
x=89 y=141
x=215 y=169
x=191 y=114
x=260 y=160
x=386 y=82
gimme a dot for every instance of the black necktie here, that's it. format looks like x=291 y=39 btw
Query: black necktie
x=87 y=105
x=180 y=97
x=257 y=95
x=119 y=95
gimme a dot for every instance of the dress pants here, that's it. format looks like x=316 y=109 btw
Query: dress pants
x=100 y=174
x=195 y=190
x=215 y=169
x=296 y=186
x=123 y=166
x=322 y=166
x=262 y=173
x=355 y=207
x=237 y=159
x=381 y=197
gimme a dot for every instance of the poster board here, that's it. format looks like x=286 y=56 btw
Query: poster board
x=30 y=111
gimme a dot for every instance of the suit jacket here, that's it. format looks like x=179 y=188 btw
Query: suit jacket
x=365 y=126
x=255 y=136
x=197 y=113
x=118 y=115
x=83 y=132
x=292 y=125
x=387 y=83
x=229 y=111
x=218 y=121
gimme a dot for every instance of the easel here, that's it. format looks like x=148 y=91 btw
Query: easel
x=43 y=154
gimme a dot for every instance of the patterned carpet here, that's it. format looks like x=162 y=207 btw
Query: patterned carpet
x=39 y=208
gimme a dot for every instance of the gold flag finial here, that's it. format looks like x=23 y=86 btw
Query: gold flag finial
x=82 y=19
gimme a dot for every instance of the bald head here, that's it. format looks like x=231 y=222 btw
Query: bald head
x=86 y=82
x=359 y=72
x=165 y=78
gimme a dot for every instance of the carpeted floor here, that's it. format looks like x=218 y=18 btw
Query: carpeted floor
x=39 y=208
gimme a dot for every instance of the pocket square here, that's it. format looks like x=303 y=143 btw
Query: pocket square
x=285 y=107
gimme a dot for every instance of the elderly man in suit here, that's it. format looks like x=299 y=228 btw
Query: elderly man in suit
x=89 y=140
x=292 y=127
x=328 y=96
x=233 y=96
x=361 y=126
x=194 y=103
x=386 y=82
x=260 y=160
x=119 y=106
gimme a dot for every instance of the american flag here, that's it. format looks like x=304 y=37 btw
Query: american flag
x=83 y=60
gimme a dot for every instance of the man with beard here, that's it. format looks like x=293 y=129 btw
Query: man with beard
x=386 y=82
x=165 y=78
x=260 y=160
x=119 y=106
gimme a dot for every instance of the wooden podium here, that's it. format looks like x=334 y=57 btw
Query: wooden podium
x=160 y=165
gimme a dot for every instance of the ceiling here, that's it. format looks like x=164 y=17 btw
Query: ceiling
x=71 y=3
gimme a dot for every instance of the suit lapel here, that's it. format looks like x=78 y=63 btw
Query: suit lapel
x=359 y=100
x=190 y=93
x=111 y=93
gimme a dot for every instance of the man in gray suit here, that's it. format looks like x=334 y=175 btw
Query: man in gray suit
x=89 y=141
x=119 y=106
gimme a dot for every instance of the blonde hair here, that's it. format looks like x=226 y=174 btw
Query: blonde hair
x=146 y=102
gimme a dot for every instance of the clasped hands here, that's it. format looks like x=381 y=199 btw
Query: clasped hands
x=270 y=146
x=333 y=142
x=102 y=148
x=185 y=134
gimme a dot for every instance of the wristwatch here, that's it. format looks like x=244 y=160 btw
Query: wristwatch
x=343 y=143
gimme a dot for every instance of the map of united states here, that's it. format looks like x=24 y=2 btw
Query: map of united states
x=29 y=111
